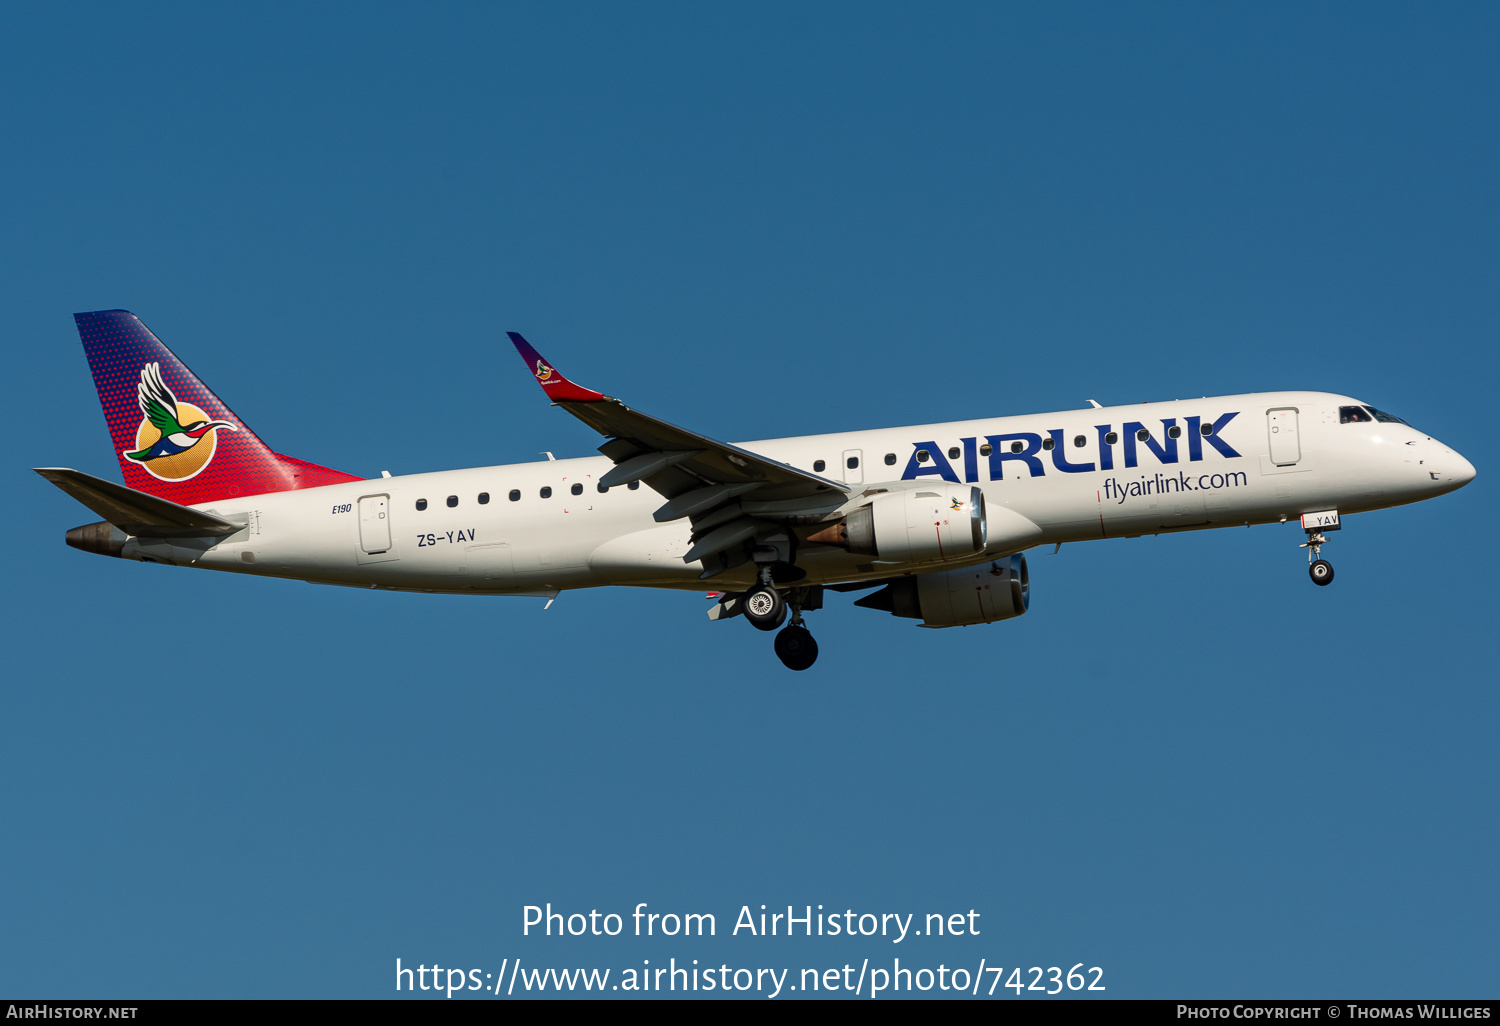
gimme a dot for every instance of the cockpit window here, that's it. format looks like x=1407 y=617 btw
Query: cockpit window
x=1385 y=418
x=1353 y=415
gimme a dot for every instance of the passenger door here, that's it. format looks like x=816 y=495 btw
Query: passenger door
x=375 y=524
x=1286 y=446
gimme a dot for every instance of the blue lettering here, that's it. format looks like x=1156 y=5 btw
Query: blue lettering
x=971 y=459
x=1106 y=454
x=1167 y=455
x=1000 y=452
x=940 y=465
x=1060 y=458
x=1196 y=437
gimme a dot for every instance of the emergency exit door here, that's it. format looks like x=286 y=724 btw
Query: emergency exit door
x=854 y=471
x=1286 y=447
x=374 y=523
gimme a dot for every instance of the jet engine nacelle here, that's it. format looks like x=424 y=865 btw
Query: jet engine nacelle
x=913 y=526
x=998 y=590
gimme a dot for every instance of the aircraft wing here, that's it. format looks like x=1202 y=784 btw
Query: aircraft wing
x=134 y=512
x=729 y=493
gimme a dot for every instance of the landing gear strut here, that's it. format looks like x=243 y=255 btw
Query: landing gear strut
x=763 y=605
x=795 y=646
x=766 y=606
x=1319 y=569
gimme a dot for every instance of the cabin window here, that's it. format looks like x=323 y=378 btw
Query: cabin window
x=515 y=495
x=923 y=455
x=633 y=485
x=953 y=453
x=452 y=501
x=985 y=450
x=1048 y=443
x=1111 y=438
x=1207 y=429
x=603 y=488
x=484 y=498
x=1143 y=435
x=890 y=459
x=577 y=489
x=1385 y=418
x=1174 y=431
x=1079 y=441
x=1017 y=446
x=421 y=504
x=818 y=466
x=852 y=463
x=546 y=491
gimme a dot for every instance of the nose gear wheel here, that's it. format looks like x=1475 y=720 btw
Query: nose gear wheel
x=1319 y=569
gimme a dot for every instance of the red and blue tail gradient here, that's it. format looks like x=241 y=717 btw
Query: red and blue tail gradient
x=173 y=437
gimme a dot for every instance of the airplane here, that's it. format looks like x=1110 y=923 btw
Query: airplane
x=933 y=521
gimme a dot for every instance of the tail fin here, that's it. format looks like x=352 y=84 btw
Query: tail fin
x=174 y=438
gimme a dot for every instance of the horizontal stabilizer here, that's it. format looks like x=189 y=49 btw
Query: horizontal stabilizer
x=135 y=512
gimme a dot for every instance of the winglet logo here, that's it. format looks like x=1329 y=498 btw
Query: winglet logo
x=175 y=440
x=543 y=372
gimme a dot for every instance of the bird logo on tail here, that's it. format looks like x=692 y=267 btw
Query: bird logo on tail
x=175 y=440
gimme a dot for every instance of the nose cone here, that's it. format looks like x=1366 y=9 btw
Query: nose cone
x=1449 y=471
x=1460 y=471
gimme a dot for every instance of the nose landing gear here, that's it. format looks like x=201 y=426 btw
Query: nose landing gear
x=1319 y=569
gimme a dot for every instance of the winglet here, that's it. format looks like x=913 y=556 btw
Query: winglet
x=557 y=387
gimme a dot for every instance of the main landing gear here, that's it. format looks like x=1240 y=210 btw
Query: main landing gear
x=766 y=608
x=795 y=646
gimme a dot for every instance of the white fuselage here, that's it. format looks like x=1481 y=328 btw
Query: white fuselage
x=1290 y=455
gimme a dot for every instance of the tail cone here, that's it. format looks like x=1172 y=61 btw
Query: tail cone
x=102 y=538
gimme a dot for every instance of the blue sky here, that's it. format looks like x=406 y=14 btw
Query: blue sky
x=1186 y=765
